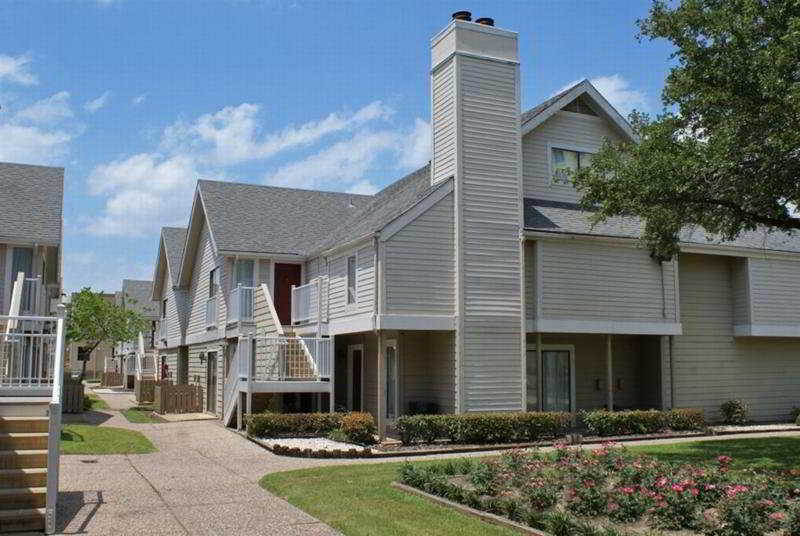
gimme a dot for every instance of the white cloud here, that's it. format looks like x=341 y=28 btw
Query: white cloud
x=50 y=110
x=100 y=102
x=364 y=187
x=15 y=69
x=32 y=144
x=617 y=90
x=231 y=135
x=139 y=99
x=416 y=149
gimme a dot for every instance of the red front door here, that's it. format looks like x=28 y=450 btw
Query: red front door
x=286 y=275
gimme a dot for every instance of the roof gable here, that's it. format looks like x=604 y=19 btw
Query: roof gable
x=168 y=259
x=589 y=94
x=137 y=295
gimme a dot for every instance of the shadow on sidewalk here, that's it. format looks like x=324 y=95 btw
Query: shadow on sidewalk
x=70 y=505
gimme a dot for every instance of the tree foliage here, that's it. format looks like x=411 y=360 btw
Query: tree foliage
x=92 y=319
x=725 y=153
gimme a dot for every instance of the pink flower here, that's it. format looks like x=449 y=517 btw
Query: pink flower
x=613 y=506
x=777 y=516
x=695 y=492
x=709 y=487
x=677 y=487
x=627 y=490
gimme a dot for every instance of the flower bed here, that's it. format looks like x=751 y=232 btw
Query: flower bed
x=612 y=492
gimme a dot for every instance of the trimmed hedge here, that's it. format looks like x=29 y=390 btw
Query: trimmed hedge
x=355 y=427
x=311 y=453
x=476 y=428
x=613 y=423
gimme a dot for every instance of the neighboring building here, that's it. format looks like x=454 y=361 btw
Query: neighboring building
x=475 y=283
x=97 y=359
x=31 y=211
x=136 y=295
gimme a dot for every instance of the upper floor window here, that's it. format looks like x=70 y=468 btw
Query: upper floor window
x=565 y=162
x=163 y=308
x=213 y=282
x=351 y=279
x=245 y=273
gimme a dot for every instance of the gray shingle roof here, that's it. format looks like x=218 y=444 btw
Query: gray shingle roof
x=560 y=217
x=386 y=205
x=31 y=203
x=136 y=295
x=268 y=219
x=174 y=238
x=539 y=108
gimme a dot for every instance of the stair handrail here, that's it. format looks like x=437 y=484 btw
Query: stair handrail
x=54 y=424
x=272 y=311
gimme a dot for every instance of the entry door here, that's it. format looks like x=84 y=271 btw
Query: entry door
x=392 y=394
x=211 y=382
x=286 y=275
x=355 y=368
x=557 y=380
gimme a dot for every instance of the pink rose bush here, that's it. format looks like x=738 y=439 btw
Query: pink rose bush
x=572 y=490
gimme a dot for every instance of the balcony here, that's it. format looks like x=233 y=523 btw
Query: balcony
x=211 y=312
x=307 y=303
x=241 y=304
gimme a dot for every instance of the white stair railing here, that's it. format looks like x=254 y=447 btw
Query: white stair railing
x=211 y=312
x=233 y=376
x=242 y=304
x=293 y=358
x=54 y=426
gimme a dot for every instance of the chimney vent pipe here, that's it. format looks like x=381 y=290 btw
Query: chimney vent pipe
x=462 y=15
x=486 y=21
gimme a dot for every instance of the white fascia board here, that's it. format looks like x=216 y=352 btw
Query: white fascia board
x=766 y=330
x=417 y=322
x=614 y=327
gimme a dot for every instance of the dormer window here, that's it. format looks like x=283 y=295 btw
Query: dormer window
x=565 y=162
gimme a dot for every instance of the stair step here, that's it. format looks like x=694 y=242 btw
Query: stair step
x=23 y=459
x=24 y=424
x=23 y=441
x=23 y=478
x=23 y=519
x=20 y=498
x=24 y=406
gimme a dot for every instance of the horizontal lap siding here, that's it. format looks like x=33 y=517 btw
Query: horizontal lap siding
x=741 y=291
x=428 y=368
x=171 y=359
x=489 y=242
x=530 y=279
x=565 y=128
x=205 y=260
x=444 y=122
x=3 y=283
x=774 y=284
x=710 y=366
x=198 y=370
x=583 y=281
x=420 y=264
x=365 y=284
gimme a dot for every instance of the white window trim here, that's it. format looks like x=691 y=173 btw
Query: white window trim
x=350 y=350
x=354 y=305
x=236 y=261
x=566 y=147
x=540 y=377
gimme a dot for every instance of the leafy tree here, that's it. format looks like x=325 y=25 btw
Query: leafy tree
x=92 y=319
x=725 y=153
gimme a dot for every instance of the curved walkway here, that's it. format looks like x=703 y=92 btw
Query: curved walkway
x=203 y=480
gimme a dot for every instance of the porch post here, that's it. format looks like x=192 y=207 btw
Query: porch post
x=609 y=374
x=665 y=364
x=332 y=381
x=539 y=378
x=381 y=389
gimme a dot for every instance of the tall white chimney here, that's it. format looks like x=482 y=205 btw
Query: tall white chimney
x=476 y=139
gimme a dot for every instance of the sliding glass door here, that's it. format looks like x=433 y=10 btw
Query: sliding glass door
x=556 y=380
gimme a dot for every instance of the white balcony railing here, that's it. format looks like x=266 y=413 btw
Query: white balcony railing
x=211 y=312
x=163 y=329
x=307 y=302
x=292 y=358
x=27 y=352
x=242 y=304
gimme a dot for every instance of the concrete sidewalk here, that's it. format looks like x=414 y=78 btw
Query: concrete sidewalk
x=202 y=480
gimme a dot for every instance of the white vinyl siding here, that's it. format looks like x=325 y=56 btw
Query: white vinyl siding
x=710 y=366
x=489 y=251
x=3 y=283
x=444 y=122
x=170 y=357
x=205 y=260
x=567 y=130
x=593 y=281
x=428 y=371
x=420 y=264
x=365 y=284
x=774 y=287
x=198 y=371
x=740 y=285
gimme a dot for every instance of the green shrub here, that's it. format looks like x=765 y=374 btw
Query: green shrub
x=792 y=523
x=292 y=424
x=683 y=419
x=734 y=412
x=483 y=427
x=607 y=423
x=358 y=427
x=794 y=415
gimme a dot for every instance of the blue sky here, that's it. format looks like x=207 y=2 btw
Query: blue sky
x=139 y=99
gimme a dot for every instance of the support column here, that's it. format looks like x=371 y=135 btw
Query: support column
x=539 y=378
x=381 y=410
x=609 y=374
x=332 y=381
x=665 y=364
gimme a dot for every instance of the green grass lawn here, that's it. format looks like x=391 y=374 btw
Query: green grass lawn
x=141 y=415
x=357 y=499
x=92 y=402
x=88 y=439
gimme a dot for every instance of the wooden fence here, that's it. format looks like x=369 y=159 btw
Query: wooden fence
x=111 y=379
x=73 y=397
x=178 y=398
x=144 y=390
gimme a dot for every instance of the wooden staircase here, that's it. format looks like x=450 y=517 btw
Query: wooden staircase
x=23 y=463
